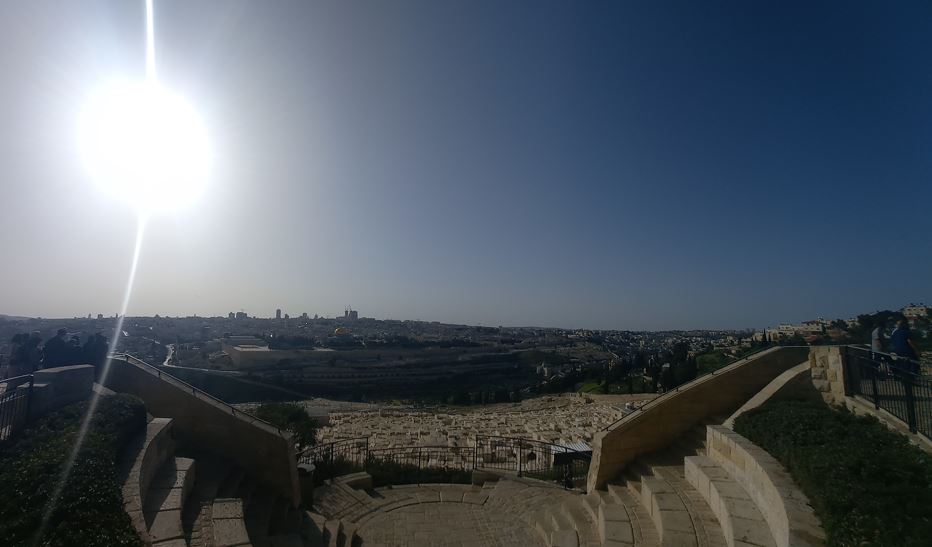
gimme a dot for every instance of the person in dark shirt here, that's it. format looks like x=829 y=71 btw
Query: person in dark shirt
x=56 y=350
x=902 y=344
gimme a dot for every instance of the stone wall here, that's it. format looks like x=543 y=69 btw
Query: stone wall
x=56 y=387
x=827 y=364
x=665 y=419
x=210 y=425
x=795 y=384
x=786 y=509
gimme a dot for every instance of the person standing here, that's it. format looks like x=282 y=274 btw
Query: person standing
x=877 y=338
x=902 y=344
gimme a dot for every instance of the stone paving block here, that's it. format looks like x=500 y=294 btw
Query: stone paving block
x=228 y=532
x=228 y=508
x=678 y=521
x=166 y=525
x=428 y=496
x=564 y=538
x=452 y=496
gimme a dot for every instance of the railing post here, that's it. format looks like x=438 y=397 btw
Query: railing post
x=520 y=458
x=32 y=378
x=874 y=391
x=419 y=465
x=910 y=403
x=475 y=453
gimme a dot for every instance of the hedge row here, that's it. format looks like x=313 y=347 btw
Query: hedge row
x=89 y=510
x=867 y=484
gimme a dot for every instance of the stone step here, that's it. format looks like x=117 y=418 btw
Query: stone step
x=229 y=528
x=258 y=514
x=314 y=528
x=140 y=464
x=246 y=487
x=211 y=473
x=740 y=519
x=645 y=534
x=231 y=483
x=167 y=495
x=614 y=525
x=564 y=538
x=286 y=540
x=668 y=513
x=332 y=531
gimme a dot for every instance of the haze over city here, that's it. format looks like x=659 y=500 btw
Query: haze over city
x=615 y=166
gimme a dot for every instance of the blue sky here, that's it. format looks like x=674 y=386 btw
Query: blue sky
x=638 y=165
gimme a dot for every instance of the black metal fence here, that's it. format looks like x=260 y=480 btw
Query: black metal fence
x=891 y=383
x=527 y=458
x=419 y=464
x=15 y=396
x=336 y=458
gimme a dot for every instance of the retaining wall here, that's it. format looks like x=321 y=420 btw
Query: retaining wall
x=662 y=421
x=210 y=425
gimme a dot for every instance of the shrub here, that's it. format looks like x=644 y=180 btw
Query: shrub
x=290 y=416
x=867 y=484
x=89 y=510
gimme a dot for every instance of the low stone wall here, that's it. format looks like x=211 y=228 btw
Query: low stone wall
x=662 y=421
x=795 y=383
x=56 y=387
x=210 y=425
x=785 y=508
x=828 y=376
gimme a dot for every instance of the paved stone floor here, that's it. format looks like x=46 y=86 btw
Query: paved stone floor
x=447 y=525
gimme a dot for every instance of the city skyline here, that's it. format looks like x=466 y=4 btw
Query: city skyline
x=633 y=167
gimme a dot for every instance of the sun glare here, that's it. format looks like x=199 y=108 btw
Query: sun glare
x=145 y=145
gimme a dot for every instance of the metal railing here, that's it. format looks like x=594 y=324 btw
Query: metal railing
x=15 y=397
x=423 y=457
x=529 y=458
x=522 y=457
x=352 y=452
x=198 y=393
x=891 y=383
x=744 y=358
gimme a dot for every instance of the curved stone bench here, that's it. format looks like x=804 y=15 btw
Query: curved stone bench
x=784 y=507
x=140 y=463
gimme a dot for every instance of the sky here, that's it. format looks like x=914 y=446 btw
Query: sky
x=613 y=165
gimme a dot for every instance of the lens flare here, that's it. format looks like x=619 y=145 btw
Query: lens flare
x=145 y=145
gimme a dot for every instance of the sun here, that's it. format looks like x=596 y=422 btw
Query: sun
x=145 y=145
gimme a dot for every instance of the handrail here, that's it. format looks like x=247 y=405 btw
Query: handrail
x=529 y=441
x=152 y=369
x=729 y=366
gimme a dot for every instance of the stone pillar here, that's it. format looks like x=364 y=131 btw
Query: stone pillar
x=828 y=377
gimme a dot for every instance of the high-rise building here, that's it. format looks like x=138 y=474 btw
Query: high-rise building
x=278 y=313
x=232 y=315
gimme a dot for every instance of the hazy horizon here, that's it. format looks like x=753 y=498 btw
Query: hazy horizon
x=630 y=166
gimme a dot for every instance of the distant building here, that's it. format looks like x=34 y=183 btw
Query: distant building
x=304 y=316
x=232 y=315
x=350 y=314
x=278 y=313
x=915 y=311
x=287 y=316
x=241 y=315
x=100 y=316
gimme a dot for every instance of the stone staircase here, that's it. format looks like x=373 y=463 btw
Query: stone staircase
x=183 y=496
x=678 y=497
